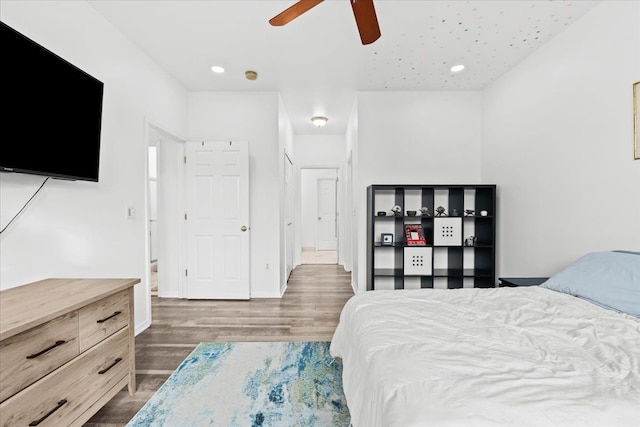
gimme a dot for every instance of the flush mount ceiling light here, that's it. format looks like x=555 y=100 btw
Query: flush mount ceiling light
x=217 y=69
x=457 y=68
x=319 y=121
x=251 y=75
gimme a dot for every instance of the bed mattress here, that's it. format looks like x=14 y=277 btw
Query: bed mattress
x=523 y=356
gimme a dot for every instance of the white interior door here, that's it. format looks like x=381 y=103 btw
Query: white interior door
x=326 y=230
x=218 y=220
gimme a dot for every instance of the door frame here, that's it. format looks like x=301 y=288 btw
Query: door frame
x=169 y=222
x=298 y=208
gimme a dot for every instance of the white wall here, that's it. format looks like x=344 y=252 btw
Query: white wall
x=80 y=229
x=414 y=138
x=320 y=150
x=252 y=117
x=558 y=142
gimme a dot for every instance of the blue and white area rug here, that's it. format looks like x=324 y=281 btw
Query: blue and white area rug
x=251 y=384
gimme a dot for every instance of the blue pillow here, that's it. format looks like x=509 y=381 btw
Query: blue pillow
x=609 y=279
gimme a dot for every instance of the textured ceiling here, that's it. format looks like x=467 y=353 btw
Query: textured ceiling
x=317 y=62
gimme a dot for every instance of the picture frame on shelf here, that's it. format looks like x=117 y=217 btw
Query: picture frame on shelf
x=386 y=239
x=414 y=235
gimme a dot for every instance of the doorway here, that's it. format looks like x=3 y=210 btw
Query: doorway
x=165 y=213
x=152 y=157
x=319 y=215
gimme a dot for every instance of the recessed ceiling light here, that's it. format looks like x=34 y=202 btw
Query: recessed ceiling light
x=217 y=69
x=457 y=68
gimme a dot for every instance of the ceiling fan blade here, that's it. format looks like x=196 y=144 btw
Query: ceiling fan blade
x=293 y=12
x=366 y=20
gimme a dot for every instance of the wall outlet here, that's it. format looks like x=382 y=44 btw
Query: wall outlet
x=131 y=212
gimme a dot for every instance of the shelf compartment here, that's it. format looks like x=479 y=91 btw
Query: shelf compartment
x=426 y=282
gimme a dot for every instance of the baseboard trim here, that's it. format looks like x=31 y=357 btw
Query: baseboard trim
x=141 y=326
x=169 y=295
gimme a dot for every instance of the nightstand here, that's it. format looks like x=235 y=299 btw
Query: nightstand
x=520 y=281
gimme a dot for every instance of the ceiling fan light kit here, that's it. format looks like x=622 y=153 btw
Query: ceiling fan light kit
x=363 y=11
x=319 y=121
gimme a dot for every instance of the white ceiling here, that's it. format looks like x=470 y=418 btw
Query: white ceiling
x=317 y=61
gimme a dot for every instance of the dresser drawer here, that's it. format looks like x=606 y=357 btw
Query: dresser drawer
x=64 y=395
x=30 y=355
x=103 y=318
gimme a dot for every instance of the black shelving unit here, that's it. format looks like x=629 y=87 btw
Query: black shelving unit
x=445 y=261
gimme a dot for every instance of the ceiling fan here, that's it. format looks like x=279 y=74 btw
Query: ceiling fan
x=363 y=11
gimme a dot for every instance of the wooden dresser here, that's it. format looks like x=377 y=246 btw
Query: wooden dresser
x=66 y=348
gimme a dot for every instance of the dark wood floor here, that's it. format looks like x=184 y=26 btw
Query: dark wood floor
x=308 y=311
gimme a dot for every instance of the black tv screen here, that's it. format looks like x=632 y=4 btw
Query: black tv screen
x=52 y=112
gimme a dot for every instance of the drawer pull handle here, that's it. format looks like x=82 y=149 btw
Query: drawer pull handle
x=115 y=362
x=107 y=318
x=58 y=406
x=34 y=355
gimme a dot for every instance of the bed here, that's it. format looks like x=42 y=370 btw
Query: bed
x=565 y=353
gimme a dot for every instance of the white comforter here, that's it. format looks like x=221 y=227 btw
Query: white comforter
x=518 y=357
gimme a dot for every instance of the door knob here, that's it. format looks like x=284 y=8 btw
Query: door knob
x=243 y=228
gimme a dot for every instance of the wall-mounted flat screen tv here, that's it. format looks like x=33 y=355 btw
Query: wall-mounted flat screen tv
x=52 y=112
